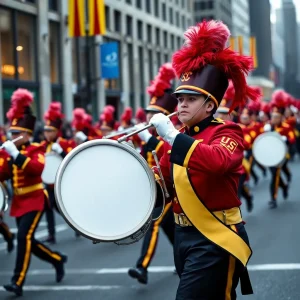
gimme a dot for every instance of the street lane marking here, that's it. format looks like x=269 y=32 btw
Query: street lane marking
x=35 y=288
x=41 y=234
x=166 y=269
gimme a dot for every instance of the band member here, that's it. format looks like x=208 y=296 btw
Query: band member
x=126 y=119
x=54 y=143
x=204 y=162
x=23 y=163
x=223 y=113
x=161 y=101
x=278 y=104
x=82 y=125
x=7 y=234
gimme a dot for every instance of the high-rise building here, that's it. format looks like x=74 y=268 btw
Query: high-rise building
x=291 y=49
x=260 y=27
x=37 y=53
x=213 y=9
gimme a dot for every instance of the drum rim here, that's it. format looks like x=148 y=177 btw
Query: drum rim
x=271 y=133
x=5 y=198
x=51 y=153
x=65 y=214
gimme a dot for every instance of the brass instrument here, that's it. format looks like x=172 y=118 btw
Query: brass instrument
x=125 y=131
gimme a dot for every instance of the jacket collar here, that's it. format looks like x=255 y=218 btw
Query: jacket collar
x=195 y=129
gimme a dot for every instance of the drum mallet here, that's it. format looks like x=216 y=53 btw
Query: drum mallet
x=14 y=140
x=125 y=137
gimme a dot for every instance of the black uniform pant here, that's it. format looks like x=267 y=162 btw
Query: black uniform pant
x=166 y=221
x=49 y=211
x=243 y=190
x=27 y=245
x=5 y=231
x=276 y=182
x=206 y=271
x=285 y=169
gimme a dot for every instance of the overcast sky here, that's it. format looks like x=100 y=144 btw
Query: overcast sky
x=277 y=3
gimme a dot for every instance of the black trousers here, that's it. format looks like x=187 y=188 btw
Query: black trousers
x=276 y=182
x=151 y=237
x=243 y=190
x=49 y=211
x=5 y=231
x=285 y=169
x=28 y=245
x=206 y=271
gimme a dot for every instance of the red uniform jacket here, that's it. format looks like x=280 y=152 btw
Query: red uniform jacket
x=214 y=164
x=286 y=130
x=25 y=172
x=67 y=145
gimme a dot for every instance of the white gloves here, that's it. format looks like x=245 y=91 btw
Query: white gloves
x=144 y=135
x=81 y=136
x=267 y=127
x=11 y=149
x=164 y=128
x=57 y=148
x=284 y=138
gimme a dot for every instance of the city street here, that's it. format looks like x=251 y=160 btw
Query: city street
x=100 y=271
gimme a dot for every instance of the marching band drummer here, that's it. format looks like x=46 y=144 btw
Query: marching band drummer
x=278 y=104
x=53 y=142
x=23 y=163
x=204 y=162
x=161 y=101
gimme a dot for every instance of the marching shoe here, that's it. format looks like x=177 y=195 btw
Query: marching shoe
x=285 y=192
x=10 y=243
x=12 y=287
x=141 y=274
x=273 y=204
x=60 y=268
x=49 y=239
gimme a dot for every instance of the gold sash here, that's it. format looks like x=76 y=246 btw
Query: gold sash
x=204 y=220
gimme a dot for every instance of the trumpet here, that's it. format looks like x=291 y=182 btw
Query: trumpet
x=125 y=137
x=125 y=131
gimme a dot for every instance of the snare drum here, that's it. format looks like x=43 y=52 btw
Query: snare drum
x=106 y=191
x=52 y=163
x=269 y=149
x=3 y=198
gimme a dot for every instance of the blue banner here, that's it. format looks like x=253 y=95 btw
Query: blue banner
x=109 y=60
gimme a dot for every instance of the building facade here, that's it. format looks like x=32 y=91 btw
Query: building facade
x=260 y=27
x=291 y=51
x=36 y=52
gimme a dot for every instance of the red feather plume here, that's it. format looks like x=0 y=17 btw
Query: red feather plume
x=279 y=99
x=21 y=99
x=54 y=112
x=205 y=44
x=140 y=115
x=78 y=119
x=127 y=114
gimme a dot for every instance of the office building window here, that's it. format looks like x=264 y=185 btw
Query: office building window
x=158 y=59
x=156 y=8
x=149 y=33
x=117 y=21
x=165 y=39
x=141 y=68
x=107 y=17
x=54 y=52
x=150 y=58
x=179 y=43
x=166 y=58
x=172 y=42
x=148 y=6
x=164 y=11
x=26 y=38
x=129 y=25
x=210 y=4
x=139 y=4
x=140 y=30
x=171 y=15
x=7 y=47
x=128 y=1
x=53 y=5
x=183 y=24
x=157 y=36
x=177 y=19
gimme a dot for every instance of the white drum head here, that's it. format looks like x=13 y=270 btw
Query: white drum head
x=105 y=190
x=3 y=198
x=52 y=163
x=269 y=149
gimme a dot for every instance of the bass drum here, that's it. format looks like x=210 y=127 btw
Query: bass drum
x=106 y=191
x=52 y=163
x=3 y=198
x=269 y=149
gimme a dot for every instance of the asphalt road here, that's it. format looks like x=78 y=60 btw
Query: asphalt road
x=100 y=271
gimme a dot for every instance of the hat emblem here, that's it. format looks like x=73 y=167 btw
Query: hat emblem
x=153 y=100
x=186 y=76
x=14 y=122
